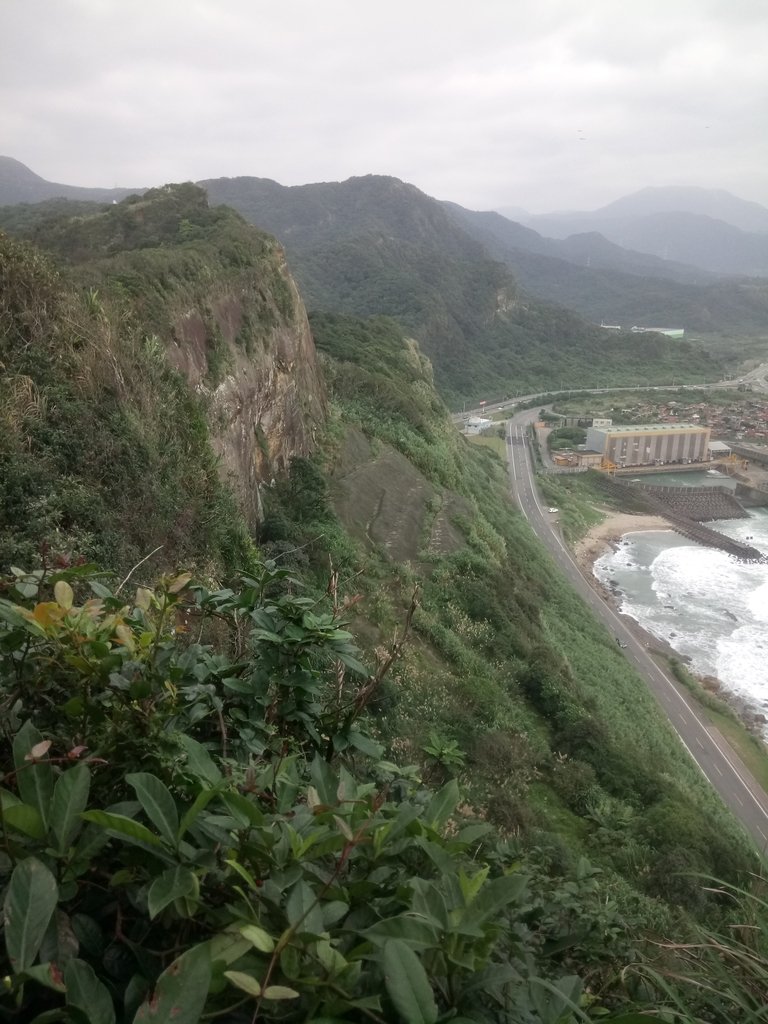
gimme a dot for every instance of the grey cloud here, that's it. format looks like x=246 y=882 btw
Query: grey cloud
x=538 y=103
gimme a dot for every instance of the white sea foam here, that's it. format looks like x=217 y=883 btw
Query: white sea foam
x=707 y=605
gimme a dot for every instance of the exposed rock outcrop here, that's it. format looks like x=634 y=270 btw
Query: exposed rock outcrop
x=270 y=399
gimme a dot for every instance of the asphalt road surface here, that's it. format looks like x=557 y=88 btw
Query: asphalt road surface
x=718 y=761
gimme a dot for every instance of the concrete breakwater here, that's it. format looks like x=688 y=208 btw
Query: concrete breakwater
x=685 y=511
x=701 y=504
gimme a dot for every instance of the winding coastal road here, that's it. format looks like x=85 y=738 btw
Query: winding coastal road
x=715 y=757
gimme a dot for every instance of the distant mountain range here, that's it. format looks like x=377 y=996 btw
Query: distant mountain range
x=375 y=244
x=585 y=273
x=673 y=233
x=708 y=228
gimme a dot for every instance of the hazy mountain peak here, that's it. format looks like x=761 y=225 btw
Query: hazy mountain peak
x=716 y=203
x=18 y=184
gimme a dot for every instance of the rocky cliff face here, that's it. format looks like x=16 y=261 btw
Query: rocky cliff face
x=252 y=354
x=223 y=305
x=167 y=368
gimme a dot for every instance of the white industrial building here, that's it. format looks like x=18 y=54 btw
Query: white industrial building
x=650 y=444
x=476 y=425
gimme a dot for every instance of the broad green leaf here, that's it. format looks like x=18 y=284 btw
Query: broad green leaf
x=472 y=884
x=181 y=990
x=242 y=809
x=35 y=781
x=303 y=910
x=192 y=813
x=332 y=961
x=407 y=984
x=199 y=761
x=123 y=827
x=47 y=974
x=11 y=614
x=91 y=841
x=60 y=944
x=70 y=798
x=86 y=993
x=29 y=905
x=332 y=912
x=157 y=802
x=280 y=992
x=428 y=901
x=89 y=934
x=353 y=663
x=134 y=995
x=258 y=938
x=171 y=885
x=244 y=982
x=365 y=744
x=26 y=819
x=418 y=933
x=472 y=833
x=495 y=895
x=227 y=947
x=325 y=780
x=439 y=856
x=551 y=999
x=443 y=804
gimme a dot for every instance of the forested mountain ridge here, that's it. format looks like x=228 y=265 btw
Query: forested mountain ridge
x=375 y=245
x=585 y=248
x=602 y=281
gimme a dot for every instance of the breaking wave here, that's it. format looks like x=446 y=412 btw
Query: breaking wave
x=705 y=604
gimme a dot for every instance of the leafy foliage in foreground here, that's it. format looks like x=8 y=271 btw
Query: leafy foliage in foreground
x=264 y=862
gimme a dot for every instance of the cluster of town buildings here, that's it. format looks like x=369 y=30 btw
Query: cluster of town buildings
x=680 y=434
x=745 y=419
x=668 y=434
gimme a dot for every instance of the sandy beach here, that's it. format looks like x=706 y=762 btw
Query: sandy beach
x=605 y=535
x=609 y=532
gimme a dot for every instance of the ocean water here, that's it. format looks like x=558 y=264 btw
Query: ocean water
x=707 y=605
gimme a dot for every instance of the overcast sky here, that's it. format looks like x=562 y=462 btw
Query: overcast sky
x=540 y=104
